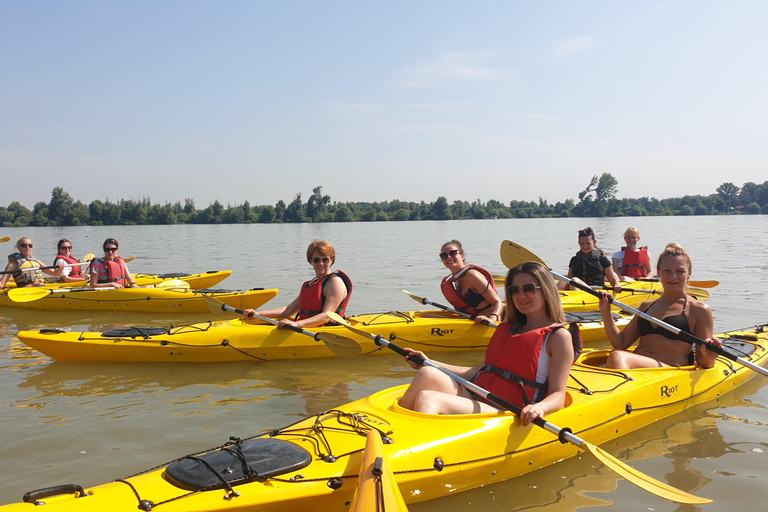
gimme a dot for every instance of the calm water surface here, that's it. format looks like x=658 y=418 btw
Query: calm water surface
x=91 y=423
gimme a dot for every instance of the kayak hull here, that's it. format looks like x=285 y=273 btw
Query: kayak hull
x=238 y=340
x=196 y=281
x=432 y=456
x=148 y=300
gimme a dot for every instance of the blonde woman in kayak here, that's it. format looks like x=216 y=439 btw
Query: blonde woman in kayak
x=632 y=262
x=328 y=291
x=660 y=347
x=469 y=288
x=23 y=258
x=532 y=346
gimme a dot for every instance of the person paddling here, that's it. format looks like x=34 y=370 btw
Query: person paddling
x=111 y=270
x=329 y=291
x=469 y=288
x=68 y=274
x=25 y=269
x=590 y=266
x=527 y=362
x=631 y=262
x=658 y=347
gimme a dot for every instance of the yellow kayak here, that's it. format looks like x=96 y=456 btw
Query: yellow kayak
x=238 y=340
x=161 y=299
x=376 y=486
x=314 y=464
x=196 y=281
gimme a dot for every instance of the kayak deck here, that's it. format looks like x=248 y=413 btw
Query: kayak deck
x=149 y=300
x=239 y=340
x=430 y=455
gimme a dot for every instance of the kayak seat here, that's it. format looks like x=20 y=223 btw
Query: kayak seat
x=237 y=463
x=174 y=275
x=135 y=332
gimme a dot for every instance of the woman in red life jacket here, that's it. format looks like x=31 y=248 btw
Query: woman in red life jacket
x=111 y=271
x=469 y=288
x=23 y=259
x=590 y=266
x=527 y=362
x=657 y=346
x=68 y=274
x=632 y=262
x=328 y=291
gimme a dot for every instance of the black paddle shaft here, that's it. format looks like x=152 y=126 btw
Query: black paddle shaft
x=225 y=307
x=684 y=336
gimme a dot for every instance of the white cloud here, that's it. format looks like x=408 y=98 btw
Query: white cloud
x=578 y=44
x=452 y=67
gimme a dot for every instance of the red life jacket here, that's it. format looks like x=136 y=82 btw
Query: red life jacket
x=636 y=263
x=472 y=300
x=512 y=362
x=76 y=271
x=111 y=271
x=312 y=300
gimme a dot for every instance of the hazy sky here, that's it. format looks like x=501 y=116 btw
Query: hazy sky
x=375 y=101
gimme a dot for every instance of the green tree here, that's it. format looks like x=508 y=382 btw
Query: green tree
x=441 y=210
x=316 y=203
x=59 y=207
x=295 y=211
x=728 y=191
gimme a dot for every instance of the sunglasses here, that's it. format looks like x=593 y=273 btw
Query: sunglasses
x=25 y=245
x=528 y=289
x=318 y=260
x=66 y=247
x=110 y=249
x=448 y=254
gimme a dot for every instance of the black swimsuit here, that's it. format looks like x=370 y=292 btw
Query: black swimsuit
x=680 y=321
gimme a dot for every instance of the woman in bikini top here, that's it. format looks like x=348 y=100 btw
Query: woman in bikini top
x=658 y=346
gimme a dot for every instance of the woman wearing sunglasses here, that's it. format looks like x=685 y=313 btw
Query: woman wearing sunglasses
x=21 y=260
x=657 y=346
x=111 y=270
x=328 y=291
x=68 y=274
x=527 y=362
x=469 y=288
x=590 y=266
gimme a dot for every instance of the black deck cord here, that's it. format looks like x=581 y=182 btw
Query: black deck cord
x=230 y=490
x=236 y=443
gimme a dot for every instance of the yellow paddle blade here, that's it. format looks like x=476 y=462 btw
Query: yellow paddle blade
x=5 y=239
x=513 y=254
x=129 y=259
x=418 y=299
x=642 y=480
x=704 y=284
x=340 y=345
x=341 y=321
x=698 y=293
x=27 y=294
x=89 y=257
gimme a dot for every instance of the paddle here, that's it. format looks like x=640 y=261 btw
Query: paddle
x=446 y=308
x=5 y=239
x=509 y=254
x=564 y=434
x=29 y=294
x=512 y=254
x=342 y=346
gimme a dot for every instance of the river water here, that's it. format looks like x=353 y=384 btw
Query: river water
x=89 y=423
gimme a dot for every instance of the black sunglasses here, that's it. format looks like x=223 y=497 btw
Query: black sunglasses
x=318 y=260
x=25 y=245
x=110 y=249
x=528 y=289
x=448 y=254
x=65 y=247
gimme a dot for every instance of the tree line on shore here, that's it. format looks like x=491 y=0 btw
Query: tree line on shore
x=598 y=199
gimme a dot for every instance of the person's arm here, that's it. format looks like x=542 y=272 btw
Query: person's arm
x=560 y=350
x=620 y=339
x=8 y=268
x=563 y=285
x=480 y=284
x=128 y=277
x=703 y=327
x=54 y=273
x=288 y=311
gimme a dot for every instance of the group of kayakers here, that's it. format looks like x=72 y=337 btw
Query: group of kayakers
x=530 y=354
x=110 y=271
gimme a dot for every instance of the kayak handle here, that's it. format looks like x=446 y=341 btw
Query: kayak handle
x=35 y=496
